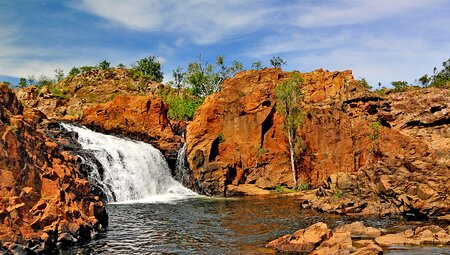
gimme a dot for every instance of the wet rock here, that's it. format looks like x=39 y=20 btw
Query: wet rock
x=338 y=243
x=358 y=230
x=428 y=235
x=319 y=240
x=304 y=240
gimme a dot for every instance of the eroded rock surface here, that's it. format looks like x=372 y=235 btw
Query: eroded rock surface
x=362 y=149
x=45 y=199
x=142 y=118
x=318 y=239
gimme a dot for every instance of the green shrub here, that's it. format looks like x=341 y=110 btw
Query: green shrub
x=221 y=138
x=303 y=186
x=375 y=130
x=400 y=86
x=364 y=83
x=57 y=92
x=182 y=106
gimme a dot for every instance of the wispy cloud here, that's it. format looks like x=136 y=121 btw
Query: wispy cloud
x=203 y=22
x=345 y=12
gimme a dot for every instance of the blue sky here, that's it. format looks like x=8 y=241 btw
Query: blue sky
x=381 y=40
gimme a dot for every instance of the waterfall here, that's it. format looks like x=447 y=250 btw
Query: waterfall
x=182 y=171
x=130 y=171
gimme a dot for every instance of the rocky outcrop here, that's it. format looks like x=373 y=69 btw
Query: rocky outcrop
x=236 y=136
x=427 y=235
x=355 y=238
x=142 y=118
x=67 y=99
x=45 y=199
x=318 y=239
x=366 y=142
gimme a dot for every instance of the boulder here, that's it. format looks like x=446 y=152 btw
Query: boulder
x=428 y=235
x=303 y=240
x=317 y=239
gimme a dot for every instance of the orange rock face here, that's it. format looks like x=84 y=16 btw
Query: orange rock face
x=142 y=118
x=236 y=138
x=240 y=128
x=45 y=199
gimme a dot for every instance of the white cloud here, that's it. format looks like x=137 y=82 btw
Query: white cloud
x=345 y=12
x=202 y=21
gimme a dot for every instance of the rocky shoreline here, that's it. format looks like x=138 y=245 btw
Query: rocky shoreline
x=356 y=239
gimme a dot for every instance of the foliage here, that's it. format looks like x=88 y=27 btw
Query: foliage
x=364 y=83
x=31 y=80
x=178 y=76
x=59 y=74
x=257 y=65
x=120 y=65
x=337 y=194
x=277 y=62
x=104 y=65
x=303 y=186
x=221 y=138
x=283 y=189
x=182 y=106
x=289 y=105
x=439 y=78
x=22 y=82
x=57 y=92
x=74 y=71
x=375 y=127
x=86 y=69
x=149 y=68
x=399 y=86
x=44 y=81
x=205 y=78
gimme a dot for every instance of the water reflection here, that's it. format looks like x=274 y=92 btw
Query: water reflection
x=211 y=226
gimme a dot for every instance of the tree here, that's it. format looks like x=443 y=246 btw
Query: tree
x=439 y=78
x=104 y=65
x=364 y=83
x=120 y=65
x=277 y=62
x=31 y=80
x=150 y=68
x=44 y=81
x=22 y=82
x=178 y=76
x=59 y=74
x=74 y=71
x=289 y=104
x=257 y=65
x=399 y=86
x=205 y=78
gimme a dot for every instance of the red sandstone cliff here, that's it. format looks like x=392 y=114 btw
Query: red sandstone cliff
x=236 y=138
x=45 y=200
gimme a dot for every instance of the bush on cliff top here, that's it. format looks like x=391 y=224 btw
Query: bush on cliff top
x=182 y=104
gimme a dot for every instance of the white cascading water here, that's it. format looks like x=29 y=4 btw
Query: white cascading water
x=133 y=171
x=182 y=172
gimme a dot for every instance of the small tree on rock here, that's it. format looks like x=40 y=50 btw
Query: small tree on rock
x=22 y=82
x=289 y=105
x=205 y=78
x=149 y=68
x=257 y=65
x=277 y=62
